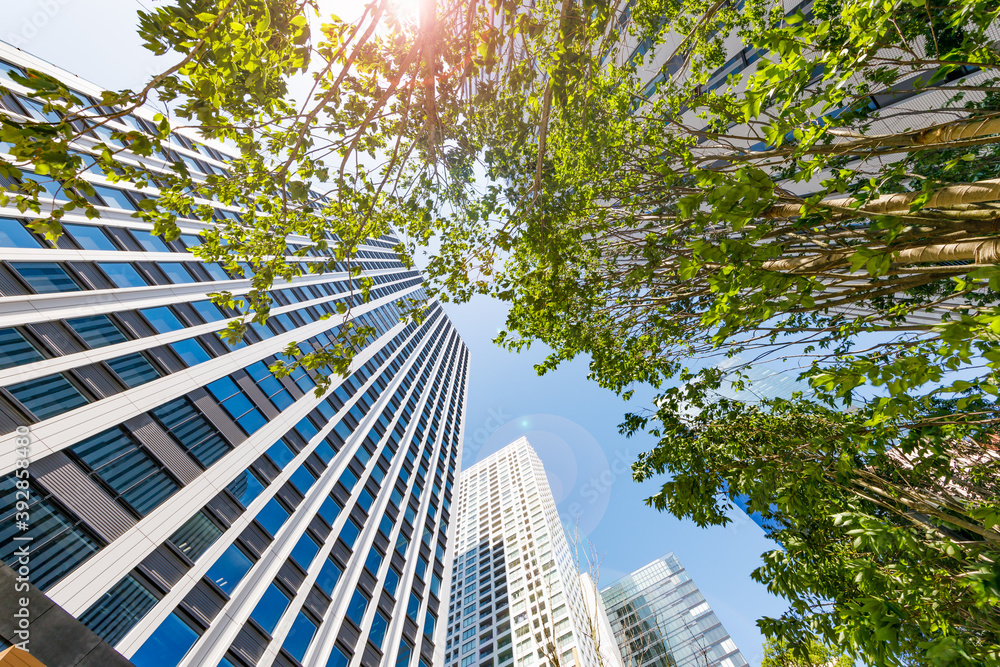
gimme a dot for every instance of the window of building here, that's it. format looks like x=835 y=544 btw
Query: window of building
x=45 y=277
x=192 y=431
x=229 y=568
x=299 y=636
x=237 y=404
x=13 y=234
x=337 y=658
x=303 y=479
x=118 y=610
x=114 y=197
x=89 y=237
x=356 y=608
x=15 y=350
x=167 y=645
x=123 y=275
x=270 y=385
x=377 y=632
x=328 y=576
x=391 y=581
x=349 y=533
x=190 y=351
x=59 y=543
x=133 y=369
x=246 y=487
x=48 y=396
x=134 y=478
x=149 y=242
x=196 y=535
x=304 y=551
x=176 y=272
x=162 y=319
x=272 y=516
x=270 y=607
x=97 y=330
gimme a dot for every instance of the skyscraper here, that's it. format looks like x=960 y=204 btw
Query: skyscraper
x=180 y=501
x=661 y=619
x=515 y=596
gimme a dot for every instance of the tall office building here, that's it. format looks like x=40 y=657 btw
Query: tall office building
x=515 y=596
x=660 y=619
x=181 y=502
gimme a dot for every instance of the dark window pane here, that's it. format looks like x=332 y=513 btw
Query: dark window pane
x=299 y=636
x=134 y=476
x=48 y=396
x=377 y=633
x=192 y=431
x=45 y=277
x=356 y=609
x=58 y=543
x=134 y=369
x=118 y=610
x=337 y=658
x=196 y=535
x=123 y=275
x=15 y=350
x=97 y=330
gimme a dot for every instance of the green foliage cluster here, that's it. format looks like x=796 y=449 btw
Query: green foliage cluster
x=653 y=226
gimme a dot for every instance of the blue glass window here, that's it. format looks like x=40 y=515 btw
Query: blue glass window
x=149 y=242
x=190 y=351
x=14 y=235
x=373 y=561
x=349 y=533
x=329 y=510
x=280 y=453
x=122 y=274
x=237 y=404
x=270 y=608
x=246 y=487
x=304 y=551
x=302 y=479
x=15 y=350
x=167 y=645
x=216 y=271
x=356 y=608
x=403 y=654
x=391 y=581
x=324 y=451
x=348 y=479
x=162 y=319
x=48 y=396
x=229 y=569
x=337 y=658
x=58 y=543
x=299 y=636
x=114 y=197
x=421 y=566
x=118 y=610
x=328 y=576
x=135 y=478
x=89 y=237
x=307 y=429
x=413 y=607
x=430 y=620
x=377 y=632
x=133 y=369
x=192 y=431
x=177 y=272
x=208 y=310
x=435 y=585
x=97 y=330
x=272 y=516
x=45 y=277
x=365 y=499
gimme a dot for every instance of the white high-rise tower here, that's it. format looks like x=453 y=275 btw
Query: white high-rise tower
x=516 y=597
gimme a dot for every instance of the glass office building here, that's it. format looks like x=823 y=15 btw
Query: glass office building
x=516 y=597
x=660 y=619
x=187 y=506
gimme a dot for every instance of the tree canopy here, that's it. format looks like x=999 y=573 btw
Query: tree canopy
x=826 y=197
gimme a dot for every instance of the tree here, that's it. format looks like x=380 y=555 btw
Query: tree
x=881 y=555
x=779 y=654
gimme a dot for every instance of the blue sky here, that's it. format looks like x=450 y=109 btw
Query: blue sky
x=571 y=422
